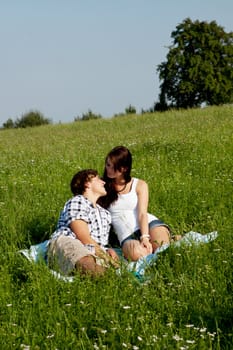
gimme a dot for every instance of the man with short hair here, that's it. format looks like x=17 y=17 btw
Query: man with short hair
x=81 y=238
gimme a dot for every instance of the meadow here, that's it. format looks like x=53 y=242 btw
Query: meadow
x=187 y=159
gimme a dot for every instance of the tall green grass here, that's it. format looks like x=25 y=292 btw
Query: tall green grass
x=186 y=158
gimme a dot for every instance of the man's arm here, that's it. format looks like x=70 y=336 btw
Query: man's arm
x=81 y=230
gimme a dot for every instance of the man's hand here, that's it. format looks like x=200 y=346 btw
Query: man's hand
x=113 y=254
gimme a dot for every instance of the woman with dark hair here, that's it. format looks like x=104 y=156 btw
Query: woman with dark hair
x=138 y=232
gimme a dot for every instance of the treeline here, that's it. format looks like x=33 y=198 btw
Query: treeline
x=36 y=118
x=29 y=119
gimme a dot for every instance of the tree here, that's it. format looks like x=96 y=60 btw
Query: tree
x=199 y=67
x=31 y=118
x=9 y=124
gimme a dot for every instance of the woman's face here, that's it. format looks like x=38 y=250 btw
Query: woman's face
x=111 y=172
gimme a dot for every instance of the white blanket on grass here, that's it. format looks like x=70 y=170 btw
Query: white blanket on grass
x=39 y=252
x=189 y=239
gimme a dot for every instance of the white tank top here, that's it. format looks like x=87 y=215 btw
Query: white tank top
x=124 y=213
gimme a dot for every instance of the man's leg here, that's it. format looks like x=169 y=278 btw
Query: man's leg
x=88 y=265
x=67 y=255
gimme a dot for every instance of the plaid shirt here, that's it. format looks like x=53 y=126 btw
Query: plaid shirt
x=80 y=208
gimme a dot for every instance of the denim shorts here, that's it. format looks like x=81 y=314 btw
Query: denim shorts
x=136 y=235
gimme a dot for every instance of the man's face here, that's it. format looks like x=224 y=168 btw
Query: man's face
x=97 y=186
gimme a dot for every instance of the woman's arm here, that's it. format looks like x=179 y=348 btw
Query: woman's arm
x=143 y=199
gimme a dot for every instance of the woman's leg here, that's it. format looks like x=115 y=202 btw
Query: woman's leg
x=133 y=250
x=159 y=235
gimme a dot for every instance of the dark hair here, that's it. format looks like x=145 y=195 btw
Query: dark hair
x=79 y=180
x=120 y=157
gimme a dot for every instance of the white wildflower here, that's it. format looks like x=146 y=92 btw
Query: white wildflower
x=212 y=335
x=50 y=336
x=202 y=330
x=25 y=347
x=177 y=337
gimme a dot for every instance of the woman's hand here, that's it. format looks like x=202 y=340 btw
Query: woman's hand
x=146 y=244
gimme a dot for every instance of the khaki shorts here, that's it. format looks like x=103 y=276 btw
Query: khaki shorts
x=64 y=252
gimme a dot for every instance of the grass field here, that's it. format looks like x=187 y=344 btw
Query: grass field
x=187 y=159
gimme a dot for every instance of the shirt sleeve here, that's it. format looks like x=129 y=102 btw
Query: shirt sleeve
x=77 y=209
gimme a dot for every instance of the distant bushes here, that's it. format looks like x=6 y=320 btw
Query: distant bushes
x=29 y=119
x=87 y=116
x=36 y=118
x=128 y=110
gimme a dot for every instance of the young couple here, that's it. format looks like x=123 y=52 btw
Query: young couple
x=82 y=235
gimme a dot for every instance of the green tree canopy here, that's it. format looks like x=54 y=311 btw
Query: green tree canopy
x=199 y=67
x=30 y=119
x=9 y=124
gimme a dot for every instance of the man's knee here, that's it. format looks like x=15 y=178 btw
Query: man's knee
x=88 y=265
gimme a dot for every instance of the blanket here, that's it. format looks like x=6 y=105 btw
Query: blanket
x=189 y=239
x=39 y=252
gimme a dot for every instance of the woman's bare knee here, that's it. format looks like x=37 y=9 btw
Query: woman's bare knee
x=159 y=236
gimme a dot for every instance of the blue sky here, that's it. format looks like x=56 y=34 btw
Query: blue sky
x=64 y=57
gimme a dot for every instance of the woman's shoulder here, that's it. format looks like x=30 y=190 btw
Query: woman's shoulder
x=139 y=181
x=141 y=184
